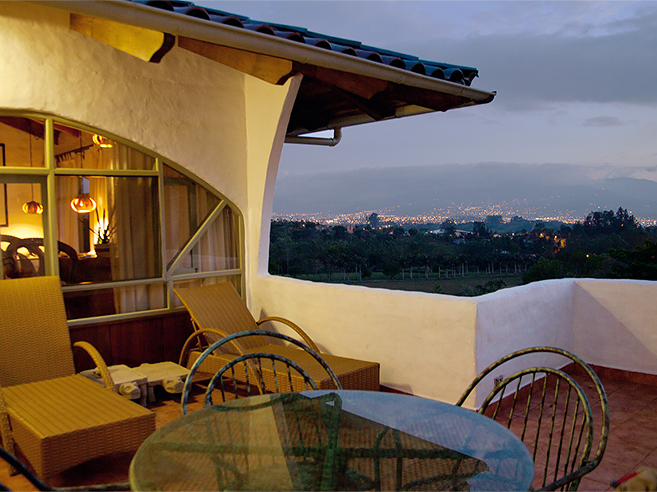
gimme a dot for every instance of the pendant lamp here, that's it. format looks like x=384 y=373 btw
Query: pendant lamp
x=31 y=207
x=83 y=203
x=102 y=142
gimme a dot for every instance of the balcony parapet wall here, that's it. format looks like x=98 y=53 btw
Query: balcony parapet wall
x=432 y=345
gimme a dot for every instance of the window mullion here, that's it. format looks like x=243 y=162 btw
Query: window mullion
x=197 y=235
x=51 y=252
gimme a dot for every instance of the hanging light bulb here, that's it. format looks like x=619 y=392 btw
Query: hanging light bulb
x=83 y=203
x=102 y=142
x=31 y=207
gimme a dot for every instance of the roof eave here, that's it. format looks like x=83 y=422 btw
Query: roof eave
x=169 y=22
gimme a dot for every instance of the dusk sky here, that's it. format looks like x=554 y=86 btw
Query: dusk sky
x=575 y=82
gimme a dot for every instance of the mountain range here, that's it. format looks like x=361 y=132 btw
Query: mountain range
x=548 y=190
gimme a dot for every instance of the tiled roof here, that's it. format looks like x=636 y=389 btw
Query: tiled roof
x=454 y=73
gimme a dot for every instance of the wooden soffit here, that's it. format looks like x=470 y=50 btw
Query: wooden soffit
x=145 y=44
x=268 y=68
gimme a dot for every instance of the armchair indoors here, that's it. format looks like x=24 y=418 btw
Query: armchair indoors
x=56 y=418
x=550 y=411
x=218 y=311
x=17 y=265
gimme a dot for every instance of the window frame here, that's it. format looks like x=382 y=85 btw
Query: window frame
x=47 y=176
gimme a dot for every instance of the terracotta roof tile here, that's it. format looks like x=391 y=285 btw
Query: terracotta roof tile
x=454 y=73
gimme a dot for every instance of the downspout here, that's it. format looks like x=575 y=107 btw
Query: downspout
x=328 y=142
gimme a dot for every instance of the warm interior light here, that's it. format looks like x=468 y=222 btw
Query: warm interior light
x=83 y=204
x=32 y=207
x=102 y=142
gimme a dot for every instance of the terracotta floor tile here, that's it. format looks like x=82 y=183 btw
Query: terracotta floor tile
x=609 y=470
x=632 y=440
x=589 y=485
x=650 y=460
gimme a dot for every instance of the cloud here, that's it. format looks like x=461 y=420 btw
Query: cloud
x=603 y=121
x=532 y=70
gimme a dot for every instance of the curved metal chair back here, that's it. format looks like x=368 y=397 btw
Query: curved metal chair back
x=18 y=467
x=551 y=413
x=20 y=265
x=254 y=369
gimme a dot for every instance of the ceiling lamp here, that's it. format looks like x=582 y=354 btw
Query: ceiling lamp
x=83 y=203
x=102 y=142
x=31 y=207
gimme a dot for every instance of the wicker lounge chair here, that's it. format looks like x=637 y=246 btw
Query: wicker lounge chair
x=58 y=419
x=551 y=413
x=218 y=311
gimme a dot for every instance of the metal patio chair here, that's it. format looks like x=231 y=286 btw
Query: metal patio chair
x=39 y=484
x=266 y=372
x=550 y=411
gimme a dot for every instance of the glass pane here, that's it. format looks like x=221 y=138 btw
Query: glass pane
x=21 y=230
x=21 y=142
x=216 y=250
x=83 y=150
x=120 y=238
x=186 y=205
x=102 y=302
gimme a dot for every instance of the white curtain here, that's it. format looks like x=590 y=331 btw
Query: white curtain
x=135 y=252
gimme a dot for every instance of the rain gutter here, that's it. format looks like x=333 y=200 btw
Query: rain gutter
x=328 y=142
x=239 y=38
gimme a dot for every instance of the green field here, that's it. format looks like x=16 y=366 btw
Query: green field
x=451 y=286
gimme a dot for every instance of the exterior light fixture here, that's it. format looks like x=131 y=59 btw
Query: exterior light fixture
x=102 y=142
x=31 y=207
x=83 y=203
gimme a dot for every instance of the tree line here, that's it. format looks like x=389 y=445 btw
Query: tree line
x=606 y=244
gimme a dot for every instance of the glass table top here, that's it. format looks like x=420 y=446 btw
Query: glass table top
x=332 y=440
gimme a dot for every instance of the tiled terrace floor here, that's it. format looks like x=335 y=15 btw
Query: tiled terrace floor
x=632 y=441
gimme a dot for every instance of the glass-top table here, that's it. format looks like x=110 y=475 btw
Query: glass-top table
x=332 y=440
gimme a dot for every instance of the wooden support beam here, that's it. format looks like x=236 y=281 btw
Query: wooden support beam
x=360 y=85
x=145 y=44
x=268 y=68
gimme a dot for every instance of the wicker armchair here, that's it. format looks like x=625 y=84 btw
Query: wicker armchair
x=58 y=419
x=550 y=411
x=257 y=369
x=218 y=311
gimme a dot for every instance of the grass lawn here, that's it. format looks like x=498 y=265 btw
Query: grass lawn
x=451 y=286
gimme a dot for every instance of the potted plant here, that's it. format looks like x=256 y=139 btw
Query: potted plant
x=104 y=231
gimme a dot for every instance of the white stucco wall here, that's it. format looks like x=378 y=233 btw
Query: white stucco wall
x=424 y=342
x=268 y=108
x=615 y=323
x=187 y=108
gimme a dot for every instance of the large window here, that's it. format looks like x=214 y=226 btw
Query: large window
x=119 y=225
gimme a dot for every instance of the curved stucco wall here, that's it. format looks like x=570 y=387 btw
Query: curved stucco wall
x=433 y=345
x=538 y=314
x=186 y=108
